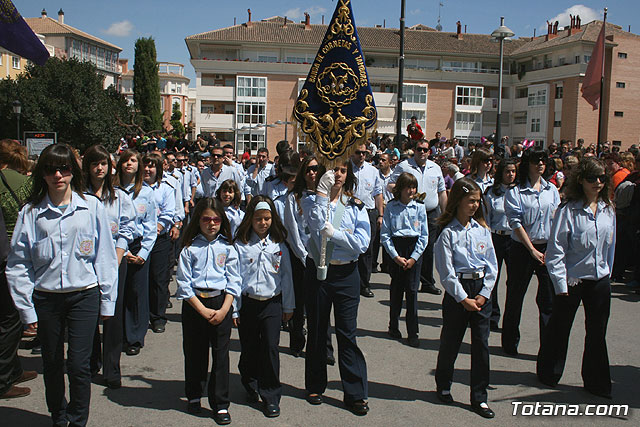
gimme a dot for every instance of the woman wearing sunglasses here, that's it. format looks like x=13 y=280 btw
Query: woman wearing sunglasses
x=63 y=272
x=529 y=207
x=481 y=166
x=580 y=258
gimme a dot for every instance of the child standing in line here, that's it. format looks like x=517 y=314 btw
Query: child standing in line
x=404 y=235
x=229 y=194
x=466 y=263
x=208 y=283
x=267 y=300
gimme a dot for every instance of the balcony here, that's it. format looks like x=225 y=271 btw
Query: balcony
x=215 y=121
x=217 y=93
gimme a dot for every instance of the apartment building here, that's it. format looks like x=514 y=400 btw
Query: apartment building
x=248 y=77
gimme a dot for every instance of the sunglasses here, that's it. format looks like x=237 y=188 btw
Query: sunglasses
x=538 y=159
x=360 y=153
x=591 y=179
x=422 y=149
x=217 y=156
x=207 y=219
x=313 y=168
x=51 y=170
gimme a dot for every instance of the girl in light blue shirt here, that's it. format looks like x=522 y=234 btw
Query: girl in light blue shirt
x=229 y=194
x=209 y=283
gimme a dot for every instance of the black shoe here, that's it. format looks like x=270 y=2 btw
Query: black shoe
x=444 y=398
x=271 y=410
x=157 y=328
x=169 y=304
x=413 y=342
x=511 y=351
x=483 y=412
x=366 y=292
x=253 y=396
x=547 y=381
x=222 y=418
x=359 y=407
x=314 y=398
x=296 y=353
x=331 y=360
x=114 y=384
x=430 y=289
x=133 y=350
x=194 y=408
x=394 y=333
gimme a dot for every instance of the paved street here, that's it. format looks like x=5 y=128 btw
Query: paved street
x=401 y=378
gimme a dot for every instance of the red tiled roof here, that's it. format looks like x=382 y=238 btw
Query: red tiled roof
x=49 y=26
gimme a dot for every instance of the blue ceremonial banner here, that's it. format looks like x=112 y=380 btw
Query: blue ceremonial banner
x=17 y=37
x=335 y=106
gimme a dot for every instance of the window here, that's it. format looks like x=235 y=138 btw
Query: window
x=207 y=109
x=617 y=143
x=561 y=60
x=15 y=62
x=557 y=124
x=468 y=123
x=587 y=58
x=559 y=92
x=466 y=95
x=101 y=63
x=620 y=85
x=257 y=141
x=577 y=59
x=618 y=113
x=252 y=86
x=522 y=92
x=520 y=118
x=622 y=55
x=1 y=55
x=535 y=125
x=251 y=113
x=414 y=93
x=538 y=97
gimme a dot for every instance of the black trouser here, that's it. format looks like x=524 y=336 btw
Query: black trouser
x=520 y=267
x=108 y=354
x=625 y=239
x=426 y=272
x=259 y=332
x=455 y=319
x=365 y=259
x=595 y=295
x=136 y=299
x=10 y=335
x=296 y=324
x=197 y=335
x=159 y=280
x=78 y=312
x=502 y=246
x=405 y=282
x=340 y=290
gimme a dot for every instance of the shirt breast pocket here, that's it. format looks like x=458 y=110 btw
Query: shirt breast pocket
x=42 y=253
x=85 y=246
x=274 y=261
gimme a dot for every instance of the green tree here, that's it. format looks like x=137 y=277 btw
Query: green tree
x=146 y=85
x=67 y=97
x=176 y=123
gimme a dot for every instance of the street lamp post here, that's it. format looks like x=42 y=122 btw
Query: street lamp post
x=500 y=34
x=17 y=109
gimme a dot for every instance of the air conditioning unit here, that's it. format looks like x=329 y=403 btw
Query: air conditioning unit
x=218 y=77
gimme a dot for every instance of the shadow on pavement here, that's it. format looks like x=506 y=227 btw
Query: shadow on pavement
x=16 y=417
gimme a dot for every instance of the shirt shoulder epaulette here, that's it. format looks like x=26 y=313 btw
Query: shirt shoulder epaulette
x=356 y=202
x=86 y=193
x=168 y=183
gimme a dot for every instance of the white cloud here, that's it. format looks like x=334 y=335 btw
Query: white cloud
x=120 y=29
x=415 y=12
x=298 y=13
x=586 y=15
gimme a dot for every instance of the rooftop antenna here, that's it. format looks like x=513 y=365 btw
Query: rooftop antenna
x=440 y=6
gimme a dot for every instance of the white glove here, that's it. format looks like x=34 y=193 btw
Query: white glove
x=326 y=182
x=328 y=230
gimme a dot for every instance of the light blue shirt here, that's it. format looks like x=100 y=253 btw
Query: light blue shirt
x=402 y=220
x=352 y=237
x=165 y=198
x=210 y=182
x=56 y=251
x=277 y=191
x=430 y=180
x=146 y=220
x=121 y=215
x=265 y=268
x=484 y=183
x=385 y=181
x=465 y=250
x=189 y=181
x=581 y=245
x=235 y=217
x=459 y=150
x=297 y=230
x=176 y=185
x=495 y=214
x=208 y=266
x=368 y=184
x=531 y=209
x=255 y=186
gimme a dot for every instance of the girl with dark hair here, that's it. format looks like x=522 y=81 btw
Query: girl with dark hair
x=231 y=197
x=208 y=283
x=165 y=197
x=466 y=263
x=404 y=235
x=529 y=207
x=333 y=214
x=497 y=221
x=267 y=301
x=129 y=176
x=62 y=272
x=121 y=214
x=580 y=260
x=481 y=165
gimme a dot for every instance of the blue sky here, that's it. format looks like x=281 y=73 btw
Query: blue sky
x=121 y=22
